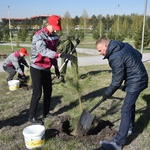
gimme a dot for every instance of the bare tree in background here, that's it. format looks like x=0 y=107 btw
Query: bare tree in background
x=85 y=17
x=67 y=21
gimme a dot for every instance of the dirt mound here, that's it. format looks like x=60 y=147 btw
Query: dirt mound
x=100 y=130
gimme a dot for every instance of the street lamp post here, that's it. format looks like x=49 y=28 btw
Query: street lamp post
x=143 y=27
x=100 y=25
x=118 y=20
x=10 y=36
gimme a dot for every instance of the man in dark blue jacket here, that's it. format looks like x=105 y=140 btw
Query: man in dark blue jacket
x=126 y=66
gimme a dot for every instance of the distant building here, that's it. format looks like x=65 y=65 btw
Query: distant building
x=35 y=22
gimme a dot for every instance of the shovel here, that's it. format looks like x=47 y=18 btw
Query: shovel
x=87 y=118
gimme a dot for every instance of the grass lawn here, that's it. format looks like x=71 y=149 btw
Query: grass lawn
x=14 y=107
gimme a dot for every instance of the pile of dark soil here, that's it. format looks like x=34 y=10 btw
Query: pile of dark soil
x=99 y=130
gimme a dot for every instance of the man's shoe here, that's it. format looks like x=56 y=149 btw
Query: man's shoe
x=110 y=145
x=36 y=121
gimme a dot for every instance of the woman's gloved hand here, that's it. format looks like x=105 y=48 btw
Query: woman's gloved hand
x=66 y=56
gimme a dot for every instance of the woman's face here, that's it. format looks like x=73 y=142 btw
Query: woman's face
x=50 y=29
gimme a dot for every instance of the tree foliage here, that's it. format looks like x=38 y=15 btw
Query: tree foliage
x=5 y=32
x=112 y=26
x=1 y=35
x=22 y=34
x=138 y=38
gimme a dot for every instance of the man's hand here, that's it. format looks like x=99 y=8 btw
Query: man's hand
x=105 y=96
x=66 y=56
x=57 y=72
x=123 y=87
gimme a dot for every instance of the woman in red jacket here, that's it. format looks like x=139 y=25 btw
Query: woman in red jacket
x=43 y=57
x=14 y=63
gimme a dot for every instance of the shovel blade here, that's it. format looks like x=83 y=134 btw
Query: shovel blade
x=86 y=119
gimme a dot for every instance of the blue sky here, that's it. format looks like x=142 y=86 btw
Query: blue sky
x=29 y=8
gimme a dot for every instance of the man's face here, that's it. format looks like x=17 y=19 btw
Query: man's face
x=101 y=49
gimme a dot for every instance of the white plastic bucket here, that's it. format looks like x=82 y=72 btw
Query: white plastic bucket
x=13 y=85
x=34 y=136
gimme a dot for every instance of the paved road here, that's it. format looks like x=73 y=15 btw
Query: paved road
x=93 y=59
x=82 y=61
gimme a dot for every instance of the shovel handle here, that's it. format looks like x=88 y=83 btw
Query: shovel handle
x=102 y=100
